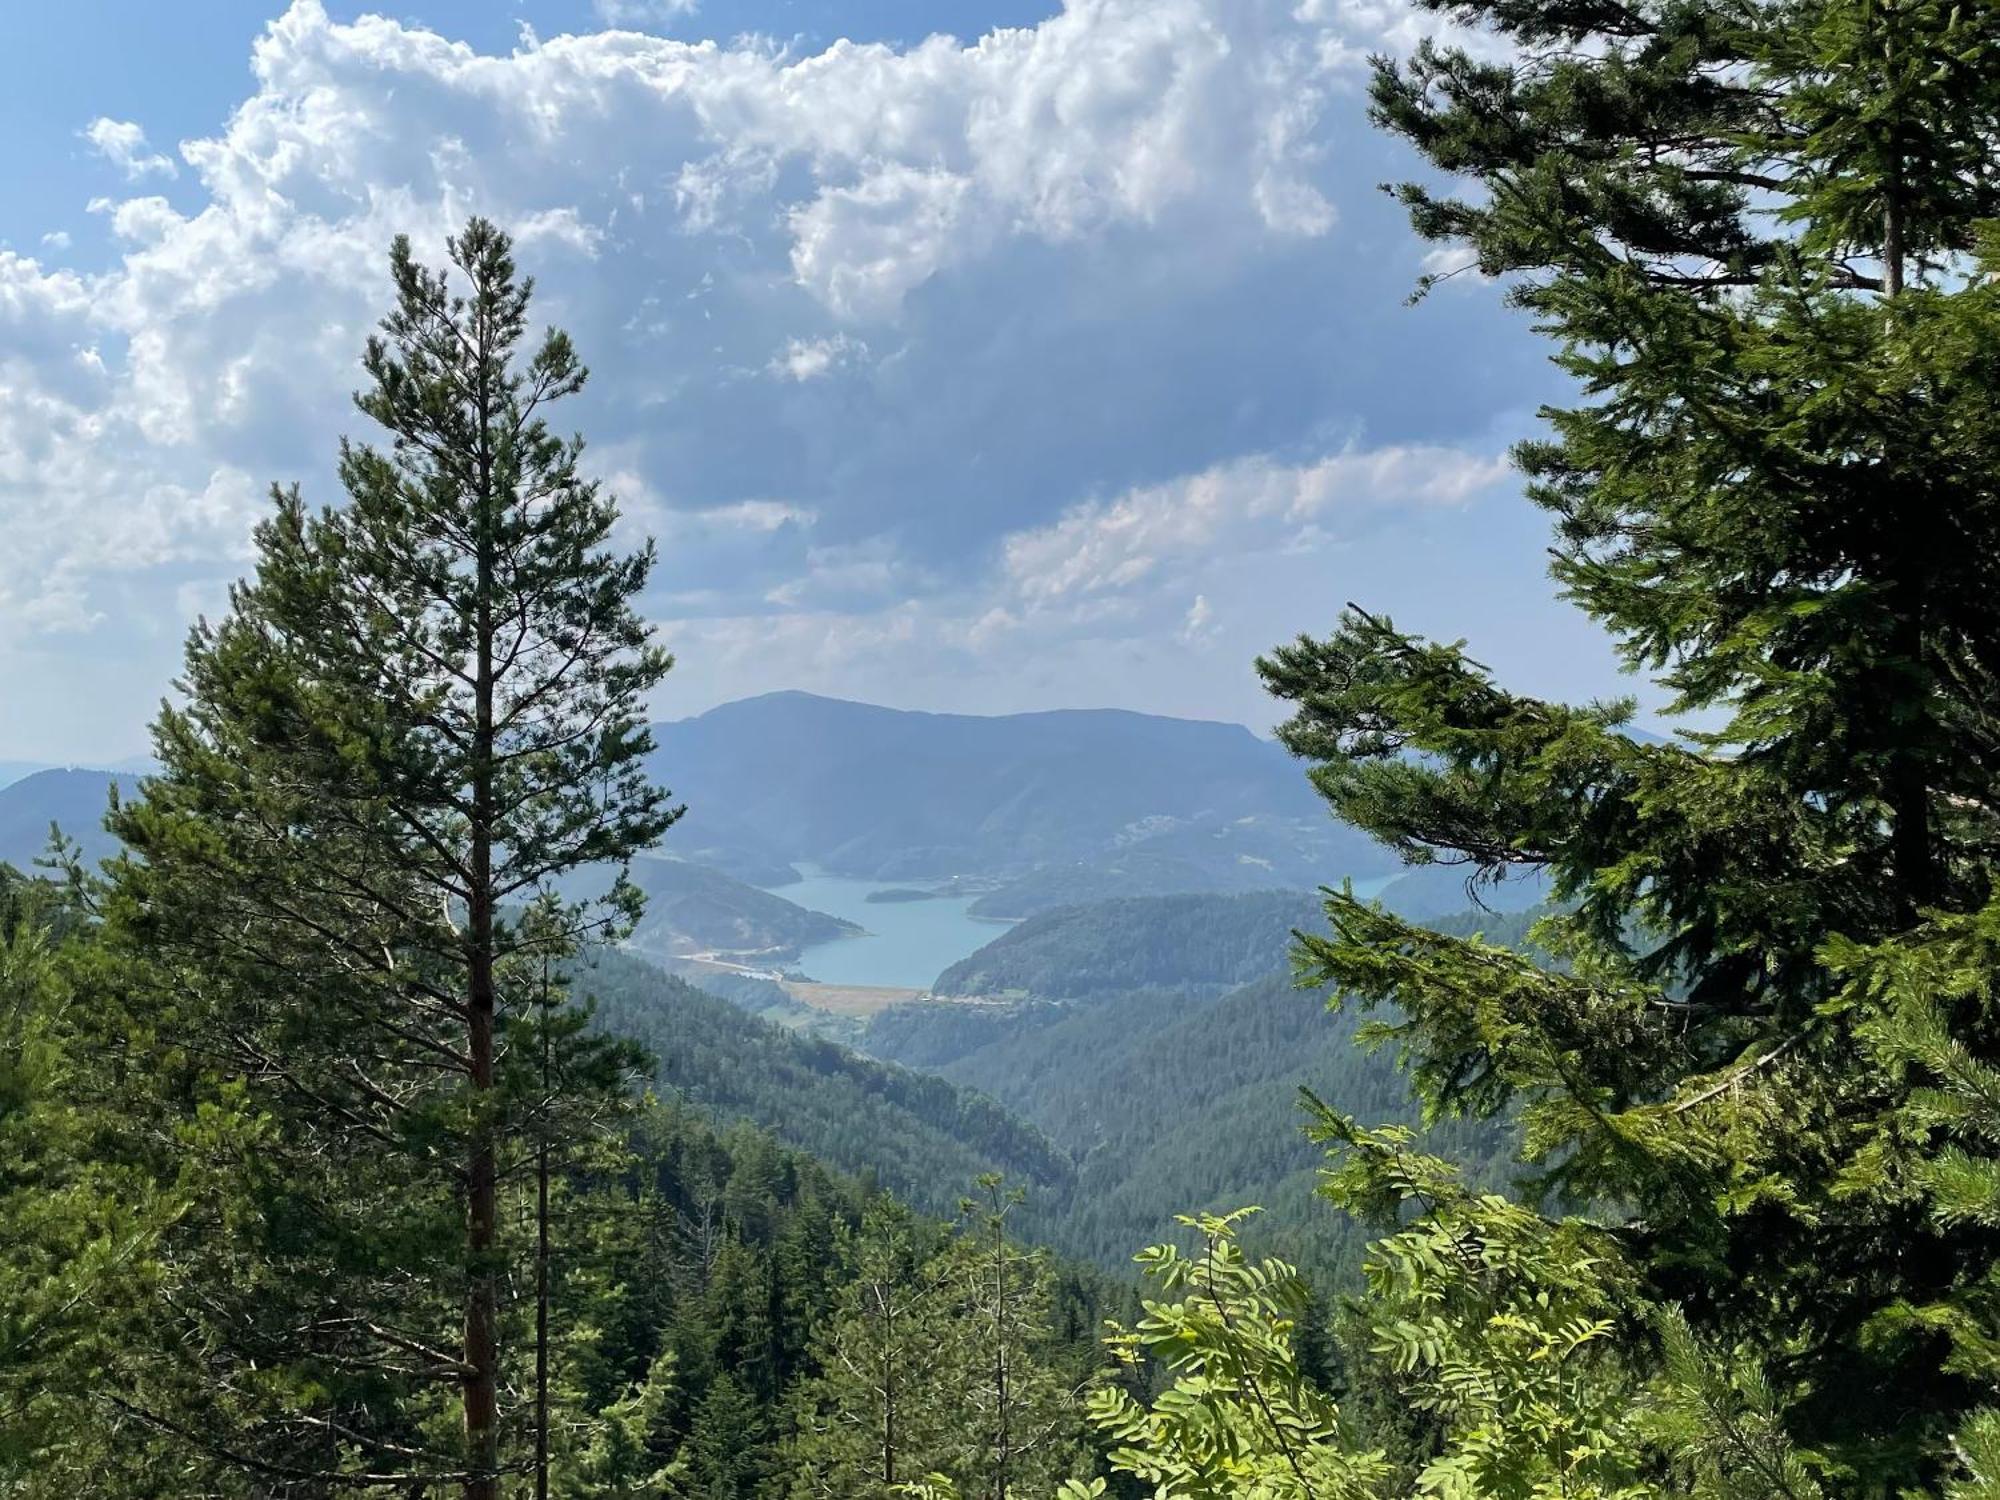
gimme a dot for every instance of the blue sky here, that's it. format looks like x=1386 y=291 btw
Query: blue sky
x=1064 y=363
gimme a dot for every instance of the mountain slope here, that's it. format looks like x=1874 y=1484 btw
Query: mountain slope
x=76 y=800
x=923 y=1138
x=1174 y=1097
x=884 y=794
x=1172 y=1102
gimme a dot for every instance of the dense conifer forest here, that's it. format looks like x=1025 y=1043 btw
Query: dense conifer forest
x=349 y=1144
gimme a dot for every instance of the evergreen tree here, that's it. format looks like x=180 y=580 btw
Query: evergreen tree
x=79 y=1221
x=871 y=1419
x=1020 y=1429
x=1761 y=237
x=938 y=1371
x=725 y=1459
x=421 y=711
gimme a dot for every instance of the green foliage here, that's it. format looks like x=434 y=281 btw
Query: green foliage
x=82 y=1223
x=1494 y=1322
x=420 y=714
x=942 y=1370
x=1239 y=1417
x=1760 y=239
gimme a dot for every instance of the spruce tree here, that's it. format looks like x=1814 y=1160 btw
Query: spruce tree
x=937 y=1371
x=1761 y=238
x=871 y=1419
x=420 y=713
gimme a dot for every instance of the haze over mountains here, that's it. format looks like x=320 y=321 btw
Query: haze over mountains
x=1160 y=867
x=1049 y=807
x=889 y=794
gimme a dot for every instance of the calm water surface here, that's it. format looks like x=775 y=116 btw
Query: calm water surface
x=908 y=943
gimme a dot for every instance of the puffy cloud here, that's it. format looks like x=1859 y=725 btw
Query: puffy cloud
x=862 y=320
x=1102 y=546
x=808 y=359
x=123 y=144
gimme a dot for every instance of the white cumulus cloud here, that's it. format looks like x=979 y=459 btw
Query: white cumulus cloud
x=123 y=144
x=930 y=295
x=1107 y=545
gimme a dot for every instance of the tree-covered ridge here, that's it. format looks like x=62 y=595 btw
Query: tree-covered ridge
x=1178 y=1099
x=1198 y=943
x=693 y=909
x=892 y=795
x=921 y=1137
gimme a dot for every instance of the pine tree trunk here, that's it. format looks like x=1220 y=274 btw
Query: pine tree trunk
x=481 y=1339
x=888 y=1390
x=542 y=1268
x=1001 y=1433
x=482 y=1352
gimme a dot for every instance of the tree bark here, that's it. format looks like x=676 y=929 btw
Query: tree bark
x=482 y=1344
x=542 y=1267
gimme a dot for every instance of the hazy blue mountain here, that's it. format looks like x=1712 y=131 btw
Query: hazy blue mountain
x=1428 y=891
x=74 y=799
x=12 y=771
x=888 y=794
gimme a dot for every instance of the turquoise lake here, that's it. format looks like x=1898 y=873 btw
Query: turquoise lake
x=908 y=943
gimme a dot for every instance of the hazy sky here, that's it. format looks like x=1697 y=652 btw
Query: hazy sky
x=1065 y=362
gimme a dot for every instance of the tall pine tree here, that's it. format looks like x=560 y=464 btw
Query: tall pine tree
x=423 y=709
x=1760 y=235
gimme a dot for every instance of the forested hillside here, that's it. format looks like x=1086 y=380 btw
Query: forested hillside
x=1187 y=942
x=1173 y=1098
x=692 y=909
x=922 y=1138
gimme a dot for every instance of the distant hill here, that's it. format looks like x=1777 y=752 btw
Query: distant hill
x=1134 y=872
x=1428 y=891
x=75 y=799
x=693 y=909
x=887 y=794
x=12 y=771
x=1191 y=943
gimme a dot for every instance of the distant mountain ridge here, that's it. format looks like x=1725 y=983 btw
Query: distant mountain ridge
x=74 y=799
x=891 y=794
